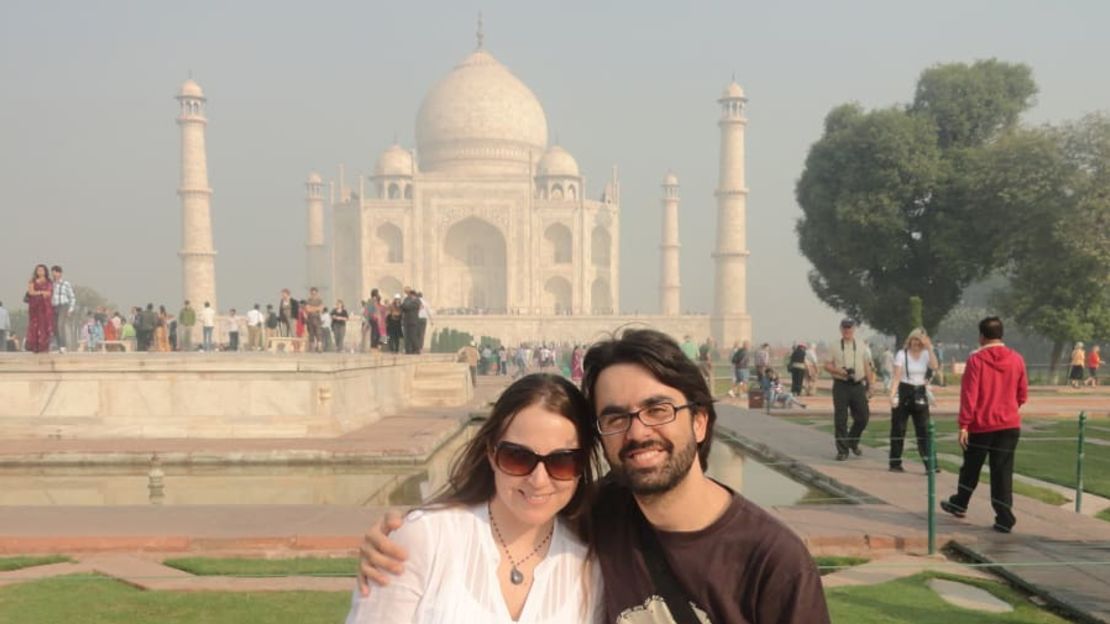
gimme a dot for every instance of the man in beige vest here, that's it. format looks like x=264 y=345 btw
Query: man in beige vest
x=850 y=366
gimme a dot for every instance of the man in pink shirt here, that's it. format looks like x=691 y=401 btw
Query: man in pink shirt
x=993 y=388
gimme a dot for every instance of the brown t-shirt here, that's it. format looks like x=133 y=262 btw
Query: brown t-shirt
x=744 y=568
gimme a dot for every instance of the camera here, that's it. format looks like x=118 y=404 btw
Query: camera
x=850 y=375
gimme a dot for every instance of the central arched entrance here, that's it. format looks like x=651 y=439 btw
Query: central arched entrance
x=474 y=271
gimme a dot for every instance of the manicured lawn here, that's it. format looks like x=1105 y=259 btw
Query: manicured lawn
x=828 y=565
x=18 y=563
x=91 y=599
x=1104 y=515
x=1048 y=452
x=911 y=601
x=301 y=566
x=1044 y=495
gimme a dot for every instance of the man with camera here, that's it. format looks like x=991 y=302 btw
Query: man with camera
x=850 y=366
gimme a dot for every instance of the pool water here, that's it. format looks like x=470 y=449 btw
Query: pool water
x=331 y=484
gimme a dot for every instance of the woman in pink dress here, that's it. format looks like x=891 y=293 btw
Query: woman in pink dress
x=576 y=358
x=302 y=320
x=40 y=311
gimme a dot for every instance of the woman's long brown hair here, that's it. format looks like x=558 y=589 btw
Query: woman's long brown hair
x=471 y=480
x=45 y=272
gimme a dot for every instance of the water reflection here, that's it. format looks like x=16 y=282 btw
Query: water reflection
x=350 y=485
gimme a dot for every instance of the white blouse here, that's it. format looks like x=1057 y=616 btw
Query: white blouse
x=451 y=576
x=914 y=372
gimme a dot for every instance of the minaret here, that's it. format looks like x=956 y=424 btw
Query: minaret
x=198 y=258
x=317 y=255
x=669 y=304
x=730 y=321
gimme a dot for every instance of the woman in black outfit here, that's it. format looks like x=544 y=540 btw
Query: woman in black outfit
x=393 y=326
x=798 y=368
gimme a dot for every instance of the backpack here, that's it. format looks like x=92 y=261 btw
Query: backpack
x=740 y=357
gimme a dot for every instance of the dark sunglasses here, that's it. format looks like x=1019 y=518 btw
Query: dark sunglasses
x=520 y=461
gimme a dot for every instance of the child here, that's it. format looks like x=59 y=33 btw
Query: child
x=778 y=395
x=91 y=333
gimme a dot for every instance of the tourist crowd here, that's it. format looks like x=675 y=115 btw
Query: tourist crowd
x=394 y=325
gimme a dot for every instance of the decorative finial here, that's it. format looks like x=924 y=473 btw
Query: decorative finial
x=734 y=76
x=481 y=35
x=190 y=73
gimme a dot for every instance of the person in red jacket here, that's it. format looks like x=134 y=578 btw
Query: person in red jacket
x=993 y=388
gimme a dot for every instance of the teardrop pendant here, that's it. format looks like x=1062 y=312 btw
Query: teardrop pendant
x=516 y=576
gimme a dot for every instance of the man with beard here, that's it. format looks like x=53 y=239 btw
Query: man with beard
x=673 y=544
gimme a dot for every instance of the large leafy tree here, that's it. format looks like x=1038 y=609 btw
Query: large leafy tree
x=892 y=201
x=1060 y=265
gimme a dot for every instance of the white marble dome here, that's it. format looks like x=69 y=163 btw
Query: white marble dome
x=190 y=88
x=394 y=161
x=557 y=162
x=733 y=90
x=314 y=178
x=670 y=179
x=480 y=118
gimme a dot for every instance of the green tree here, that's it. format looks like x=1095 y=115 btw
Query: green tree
x=1060 y=268
x=89 y=299
x=915 y=313
x=891 y=203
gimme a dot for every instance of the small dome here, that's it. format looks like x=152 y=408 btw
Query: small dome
x=314 y=178
x=190 y=88
x=732 y=91
x=394 y=161
x=557 y=162
x=671 y=179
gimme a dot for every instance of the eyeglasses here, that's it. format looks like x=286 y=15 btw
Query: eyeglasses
x=654 y=415
x=519 y=461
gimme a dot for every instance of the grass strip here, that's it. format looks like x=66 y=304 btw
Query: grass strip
x=1104 y=514
x=248 y=567
x=94 y=599
x=18 y=563
x=911 y=601
x=828 y=565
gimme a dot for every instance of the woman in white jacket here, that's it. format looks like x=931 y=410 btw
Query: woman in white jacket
x=508 y=539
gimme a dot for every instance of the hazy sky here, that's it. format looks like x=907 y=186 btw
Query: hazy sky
x=89 y=147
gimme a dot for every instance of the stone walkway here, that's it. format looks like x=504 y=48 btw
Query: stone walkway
x=1064 y=556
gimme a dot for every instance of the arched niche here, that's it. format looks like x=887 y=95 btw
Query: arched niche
x=389 y=286
x=601 y=297
x=474 y=270
x=601 y=244
x=557 y=296
x=392 y=243
x=558 y=243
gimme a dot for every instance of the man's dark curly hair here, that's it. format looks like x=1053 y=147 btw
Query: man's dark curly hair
x=664 y=359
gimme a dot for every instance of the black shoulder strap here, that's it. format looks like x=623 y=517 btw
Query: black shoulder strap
x=677 y=600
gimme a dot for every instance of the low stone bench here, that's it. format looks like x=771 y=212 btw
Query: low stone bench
x=124 y=345
x=278 y=344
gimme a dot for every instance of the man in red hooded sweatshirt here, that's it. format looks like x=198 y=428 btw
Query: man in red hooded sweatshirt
x=994 y=386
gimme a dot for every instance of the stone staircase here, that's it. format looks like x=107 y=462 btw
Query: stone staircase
x=440 y=384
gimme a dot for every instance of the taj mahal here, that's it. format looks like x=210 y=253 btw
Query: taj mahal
x=489 y=220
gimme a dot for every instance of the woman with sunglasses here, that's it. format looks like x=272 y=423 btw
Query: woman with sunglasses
x=508 y=540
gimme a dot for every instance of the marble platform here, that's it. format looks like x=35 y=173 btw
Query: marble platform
x=248 y=395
